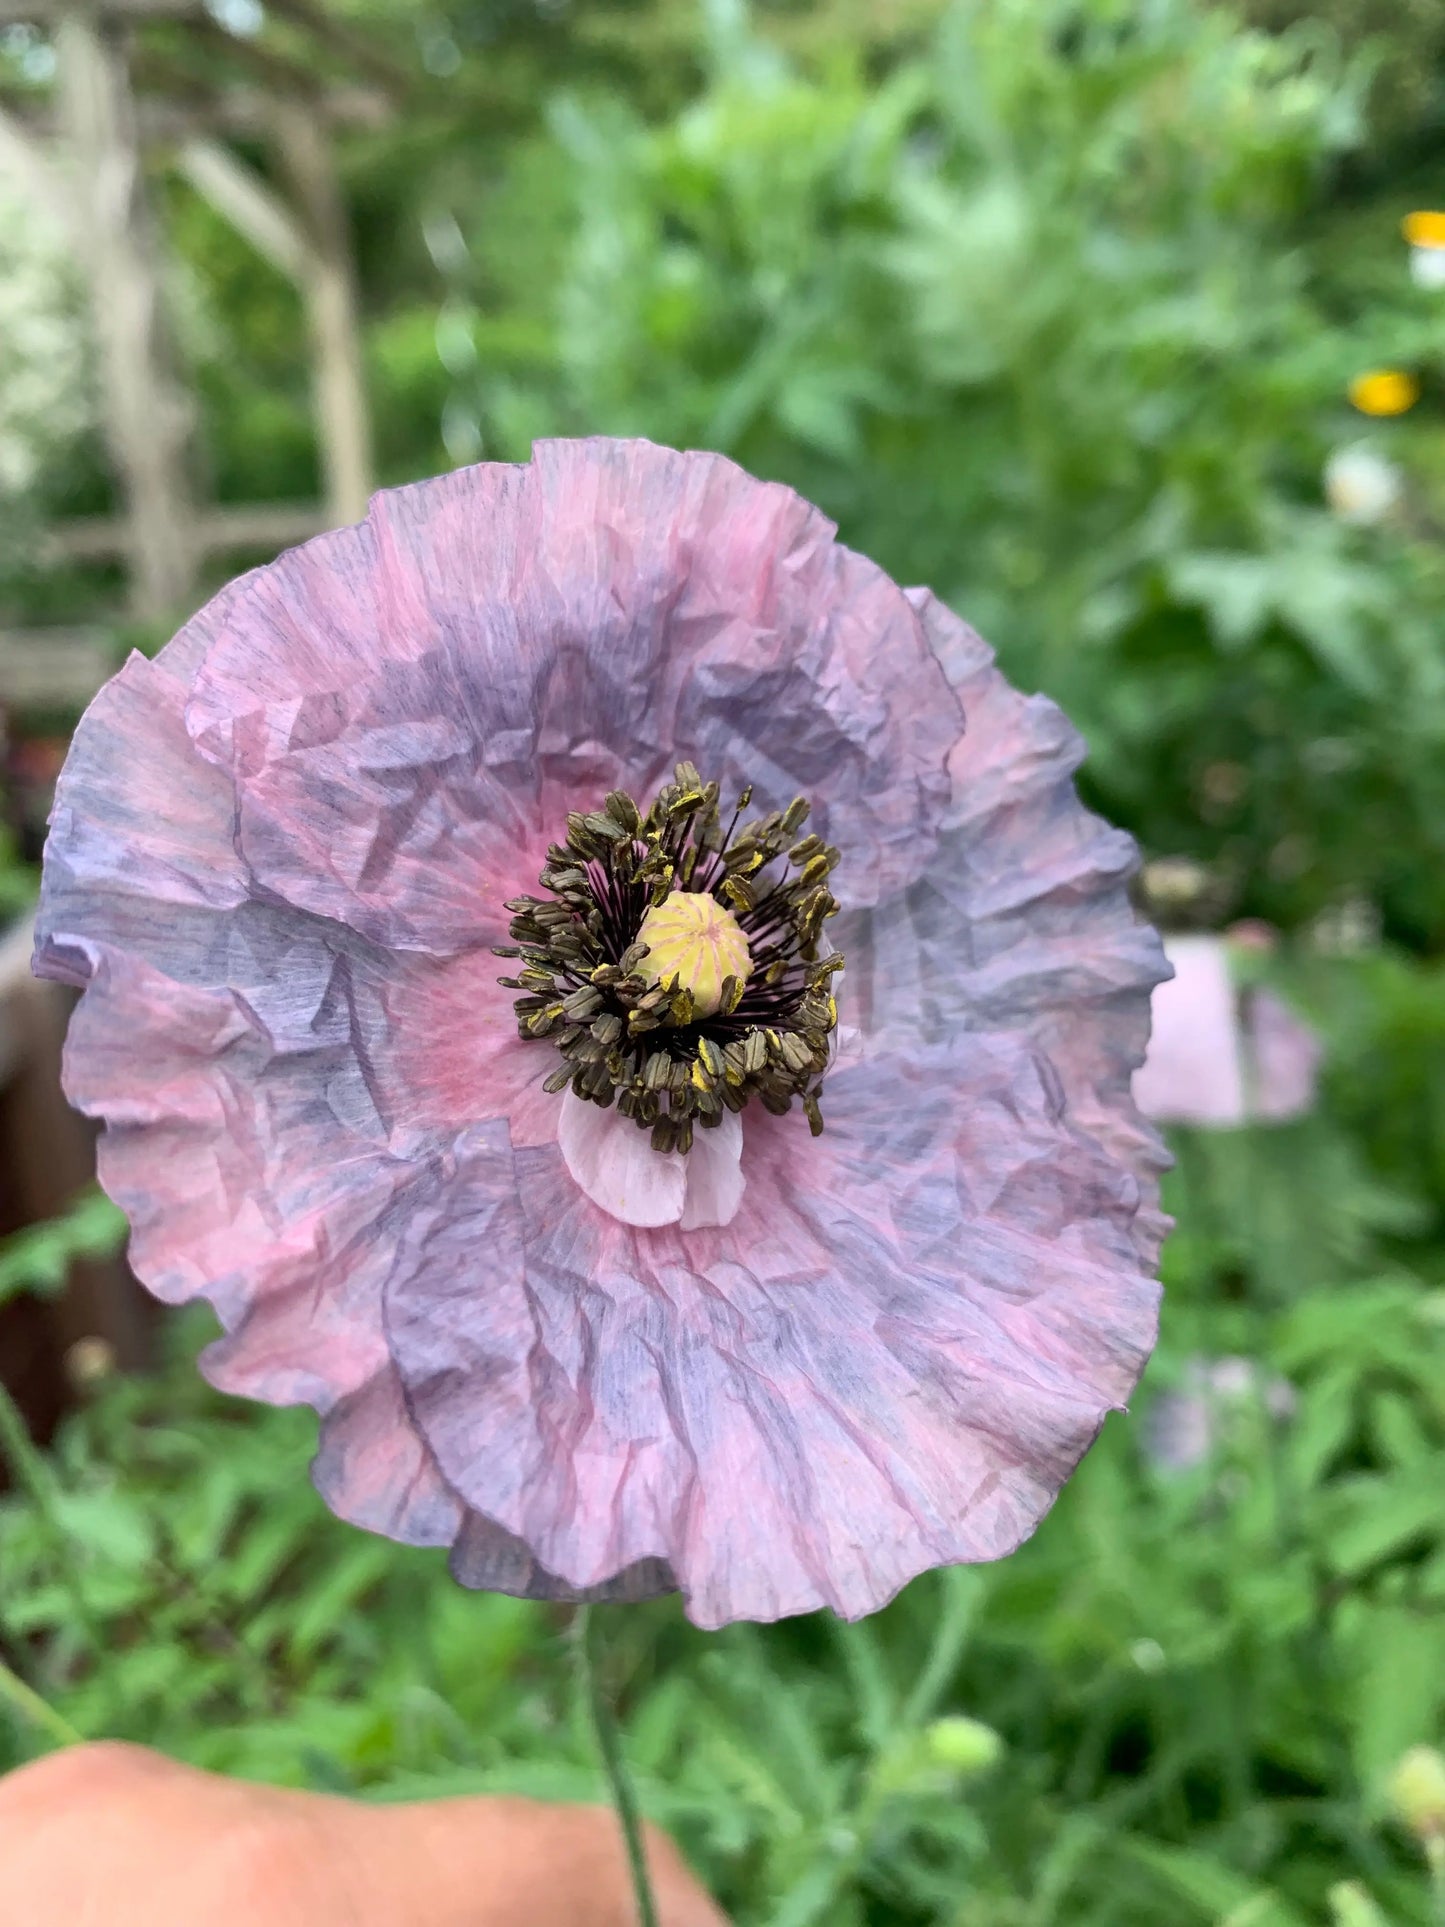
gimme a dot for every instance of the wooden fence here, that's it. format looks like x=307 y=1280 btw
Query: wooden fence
x=47 y=1159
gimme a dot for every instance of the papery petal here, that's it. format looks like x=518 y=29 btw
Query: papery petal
x=891 y=1358
x=374 y=1470
x=715 y=1179
x=141 y=848
x=613 y=1163
x=238 y=1180
x=242 y=1186
x=1022 y=922
x=489 y=1558
x=502 y=641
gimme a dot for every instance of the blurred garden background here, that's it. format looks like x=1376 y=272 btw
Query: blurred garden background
x=1121 y=323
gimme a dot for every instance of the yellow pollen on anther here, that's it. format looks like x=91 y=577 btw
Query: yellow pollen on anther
x=692 y=937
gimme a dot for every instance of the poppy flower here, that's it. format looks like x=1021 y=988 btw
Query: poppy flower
x=783 y=1226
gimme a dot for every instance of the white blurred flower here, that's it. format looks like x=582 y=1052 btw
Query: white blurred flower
x=1174 y=883
x=1348 y=928
x=1361 y=485
x=1424 y=230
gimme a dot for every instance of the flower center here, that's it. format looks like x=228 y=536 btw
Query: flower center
x=676 y=964
x=696 y=944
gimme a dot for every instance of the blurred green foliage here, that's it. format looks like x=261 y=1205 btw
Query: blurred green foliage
x=1035 y=316
x=36 y=1260
x=1405 y=41
x=1053 y=304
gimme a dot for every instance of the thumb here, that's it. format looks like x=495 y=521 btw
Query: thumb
x=487 y=1862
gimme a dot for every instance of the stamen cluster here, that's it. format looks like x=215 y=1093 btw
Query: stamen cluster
x=641 y=1044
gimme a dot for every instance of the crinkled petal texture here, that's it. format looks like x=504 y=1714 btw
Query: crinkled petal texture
x=279 y=855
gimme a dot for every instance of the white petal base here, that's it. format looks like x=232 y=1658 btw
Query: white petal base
x=614 y=1164
x=715 y=1181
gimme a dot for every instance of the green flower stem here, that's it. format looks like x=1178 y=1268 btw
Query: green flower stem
x=33 y=1477
x=34 y=1710
x=609 y=1746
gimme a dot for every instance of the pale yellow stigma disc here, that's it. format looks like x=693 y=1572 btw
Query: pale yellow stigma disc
x=697 y=940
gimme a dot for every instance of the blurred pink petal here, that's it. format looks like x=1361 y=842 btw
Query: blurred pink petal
x=278 y=857
x=1193 y=1074
x=1218 y=1057
x=1286 y=1056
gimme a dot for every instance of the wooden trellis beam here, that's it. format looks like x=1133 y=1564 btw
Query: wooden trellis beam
x=312 y=248
x=53 y=669
x=328 y=284
x=302 y=231
x=147 y=413
x=43 y=179
x=347 y=43
x=250 y=525
x=165 y=119
x=238 y=192
x=49 y=13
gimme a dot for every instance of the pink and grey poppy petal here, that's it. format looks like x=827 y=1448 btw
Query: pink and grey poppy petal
x=242 y=1187
x=239 y=1182
x=141 y=849
x=279 y=856
x=488 y=1558
x=890 y=1360
x=374 y=1470
x=577 y=623
x=1023 y=920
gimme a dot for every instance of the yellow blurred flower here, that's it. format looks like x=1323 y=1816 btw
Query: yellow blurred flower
x=1425 y=229
x=1384 y=391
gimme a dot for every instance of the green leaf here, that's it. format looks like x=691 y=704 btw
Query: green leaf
x=38 y=1259
x=1365 y=1519
x=1398 y=1687
x=1213 y=1892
